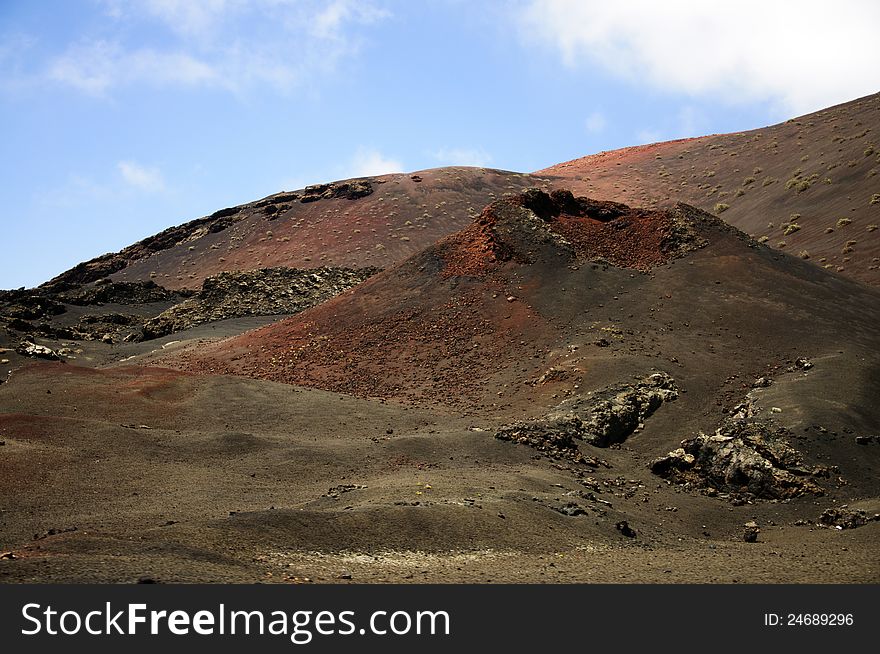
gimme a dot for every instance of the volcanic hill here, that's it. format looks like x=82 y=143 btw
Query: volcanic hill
x=470 y=375
x=809 y=186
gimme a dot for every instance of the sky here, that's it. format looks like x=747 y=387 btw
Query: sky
x=121 y=118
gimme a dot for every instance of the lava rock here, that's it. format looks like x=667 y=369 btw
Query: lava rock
x=600 y=419
x=742 y=456
x=266 y=292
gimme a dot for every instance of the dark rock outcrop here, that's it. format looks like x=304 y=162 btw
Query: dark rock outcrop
x=846 y=518
x=601 y=419
x=346 y=190
x=117 y=293
x=266 y=292
x=740 y=457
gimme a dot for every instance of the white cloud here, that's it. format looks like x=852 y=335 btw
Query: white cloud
x=463 y=157
x=232 y=45
x=367 y=162
x=804 y=56
x=95 y=67
x=141 y=177
x=595 y=122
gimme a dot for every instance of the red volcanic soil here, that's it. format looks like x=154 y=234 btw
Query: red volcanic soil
x=533 y=302
x=810 y=171
x=448 y=320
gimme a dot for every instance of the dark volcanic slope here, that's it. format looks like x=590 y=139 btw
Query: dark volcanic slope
x=543 y=299
x=359 y=223
x=809 y=185
x=535 y=369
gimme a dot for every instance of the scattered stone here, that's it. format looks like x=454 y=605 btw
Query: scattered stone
x=624 y=528
x=570 y=509
x=750 y=535
x=29 y=349
x=336 y=491
x=846 y=518
x=54 y=532
x=762 y=382
x=802 y=363
x=345 y=575
x=867 y=440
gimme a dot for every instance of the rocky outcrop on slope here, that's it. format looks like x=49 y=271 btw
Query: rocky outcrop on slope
x=107 y=292
x=846 y=518
x=266 y=292
x=742 y=456
x=344 y=190
x=601 y=419
x=107 y=264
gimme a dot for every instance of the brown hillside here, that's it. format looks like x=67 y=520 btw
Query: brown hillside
x=809 y=186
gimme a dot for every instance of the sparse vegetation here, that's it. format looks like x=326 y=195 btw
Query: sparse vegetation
x=791 y=229
x=843 y=222
x=872 y=228
x=748 y=180
x=800 y=183
x=875 y=199
x=721 y=207
x=803 y=254
x=768 y=181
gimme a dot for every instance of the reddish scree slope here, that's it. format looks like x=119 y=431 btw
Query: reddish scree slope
x=791 y=183
x=544 y=295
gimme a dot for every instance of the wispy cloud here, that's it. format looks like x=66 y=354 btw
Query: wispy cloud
x=803 y=57
x=227 y=44
x=141 y=177
x=367 y=162
x=94 y=67
x=595 y=122
x=463 y=157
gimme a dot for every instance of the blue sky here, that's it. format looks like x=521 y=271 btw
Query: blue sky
x=119 y=119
